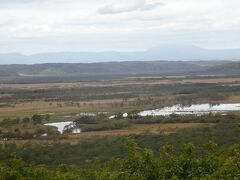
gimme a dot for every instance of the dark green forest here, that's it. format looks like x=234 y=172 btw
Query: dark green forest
x=140 y=163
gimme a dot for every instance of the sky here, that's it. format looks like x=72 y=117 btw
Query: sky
x=34 y=26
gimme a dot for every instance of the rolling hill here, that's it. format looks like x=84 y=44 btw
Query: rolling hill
x=109 y=68
x=75 y=71
x=230 y=68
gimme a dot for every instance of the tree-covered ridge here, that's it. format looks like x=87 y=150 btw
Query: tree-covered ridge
x=140 y=164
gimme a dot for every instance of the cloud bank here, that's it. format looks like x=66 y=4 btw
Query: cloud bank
x=32 y=26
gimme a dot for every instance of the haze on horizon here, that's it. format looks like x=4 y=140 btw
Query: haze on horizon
x=35 y=26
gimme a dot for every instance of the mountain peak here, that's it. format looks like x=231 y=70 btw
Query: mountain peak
x=175 y=47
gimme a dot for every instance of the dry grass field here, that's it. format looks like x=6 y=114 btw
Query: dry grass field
x=121 y=82
x=24 y=109
x=115 y=101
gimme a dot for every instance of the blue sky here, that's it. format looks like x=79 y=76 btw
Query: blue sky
x=33 y=26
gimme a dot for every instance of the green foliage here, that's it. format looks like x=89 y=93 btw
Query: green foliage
x=24 y=129
x=225 y=134
x=100 y=123
x=37 y=119
x=139 y=164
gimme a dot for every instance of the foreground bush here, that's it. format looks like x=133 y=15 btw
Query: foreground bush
x=140 y=164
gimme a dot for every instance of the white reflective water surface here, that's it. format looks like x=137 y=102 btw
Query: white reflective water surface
x=61 y=126
x=195 y=109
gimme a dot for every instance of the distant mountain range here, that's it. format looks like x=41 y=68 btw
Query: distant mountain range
x=166 y=52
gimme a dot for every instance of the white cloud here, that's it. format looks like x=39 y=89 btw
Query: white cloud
x=80 y=25
x=128 y=6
